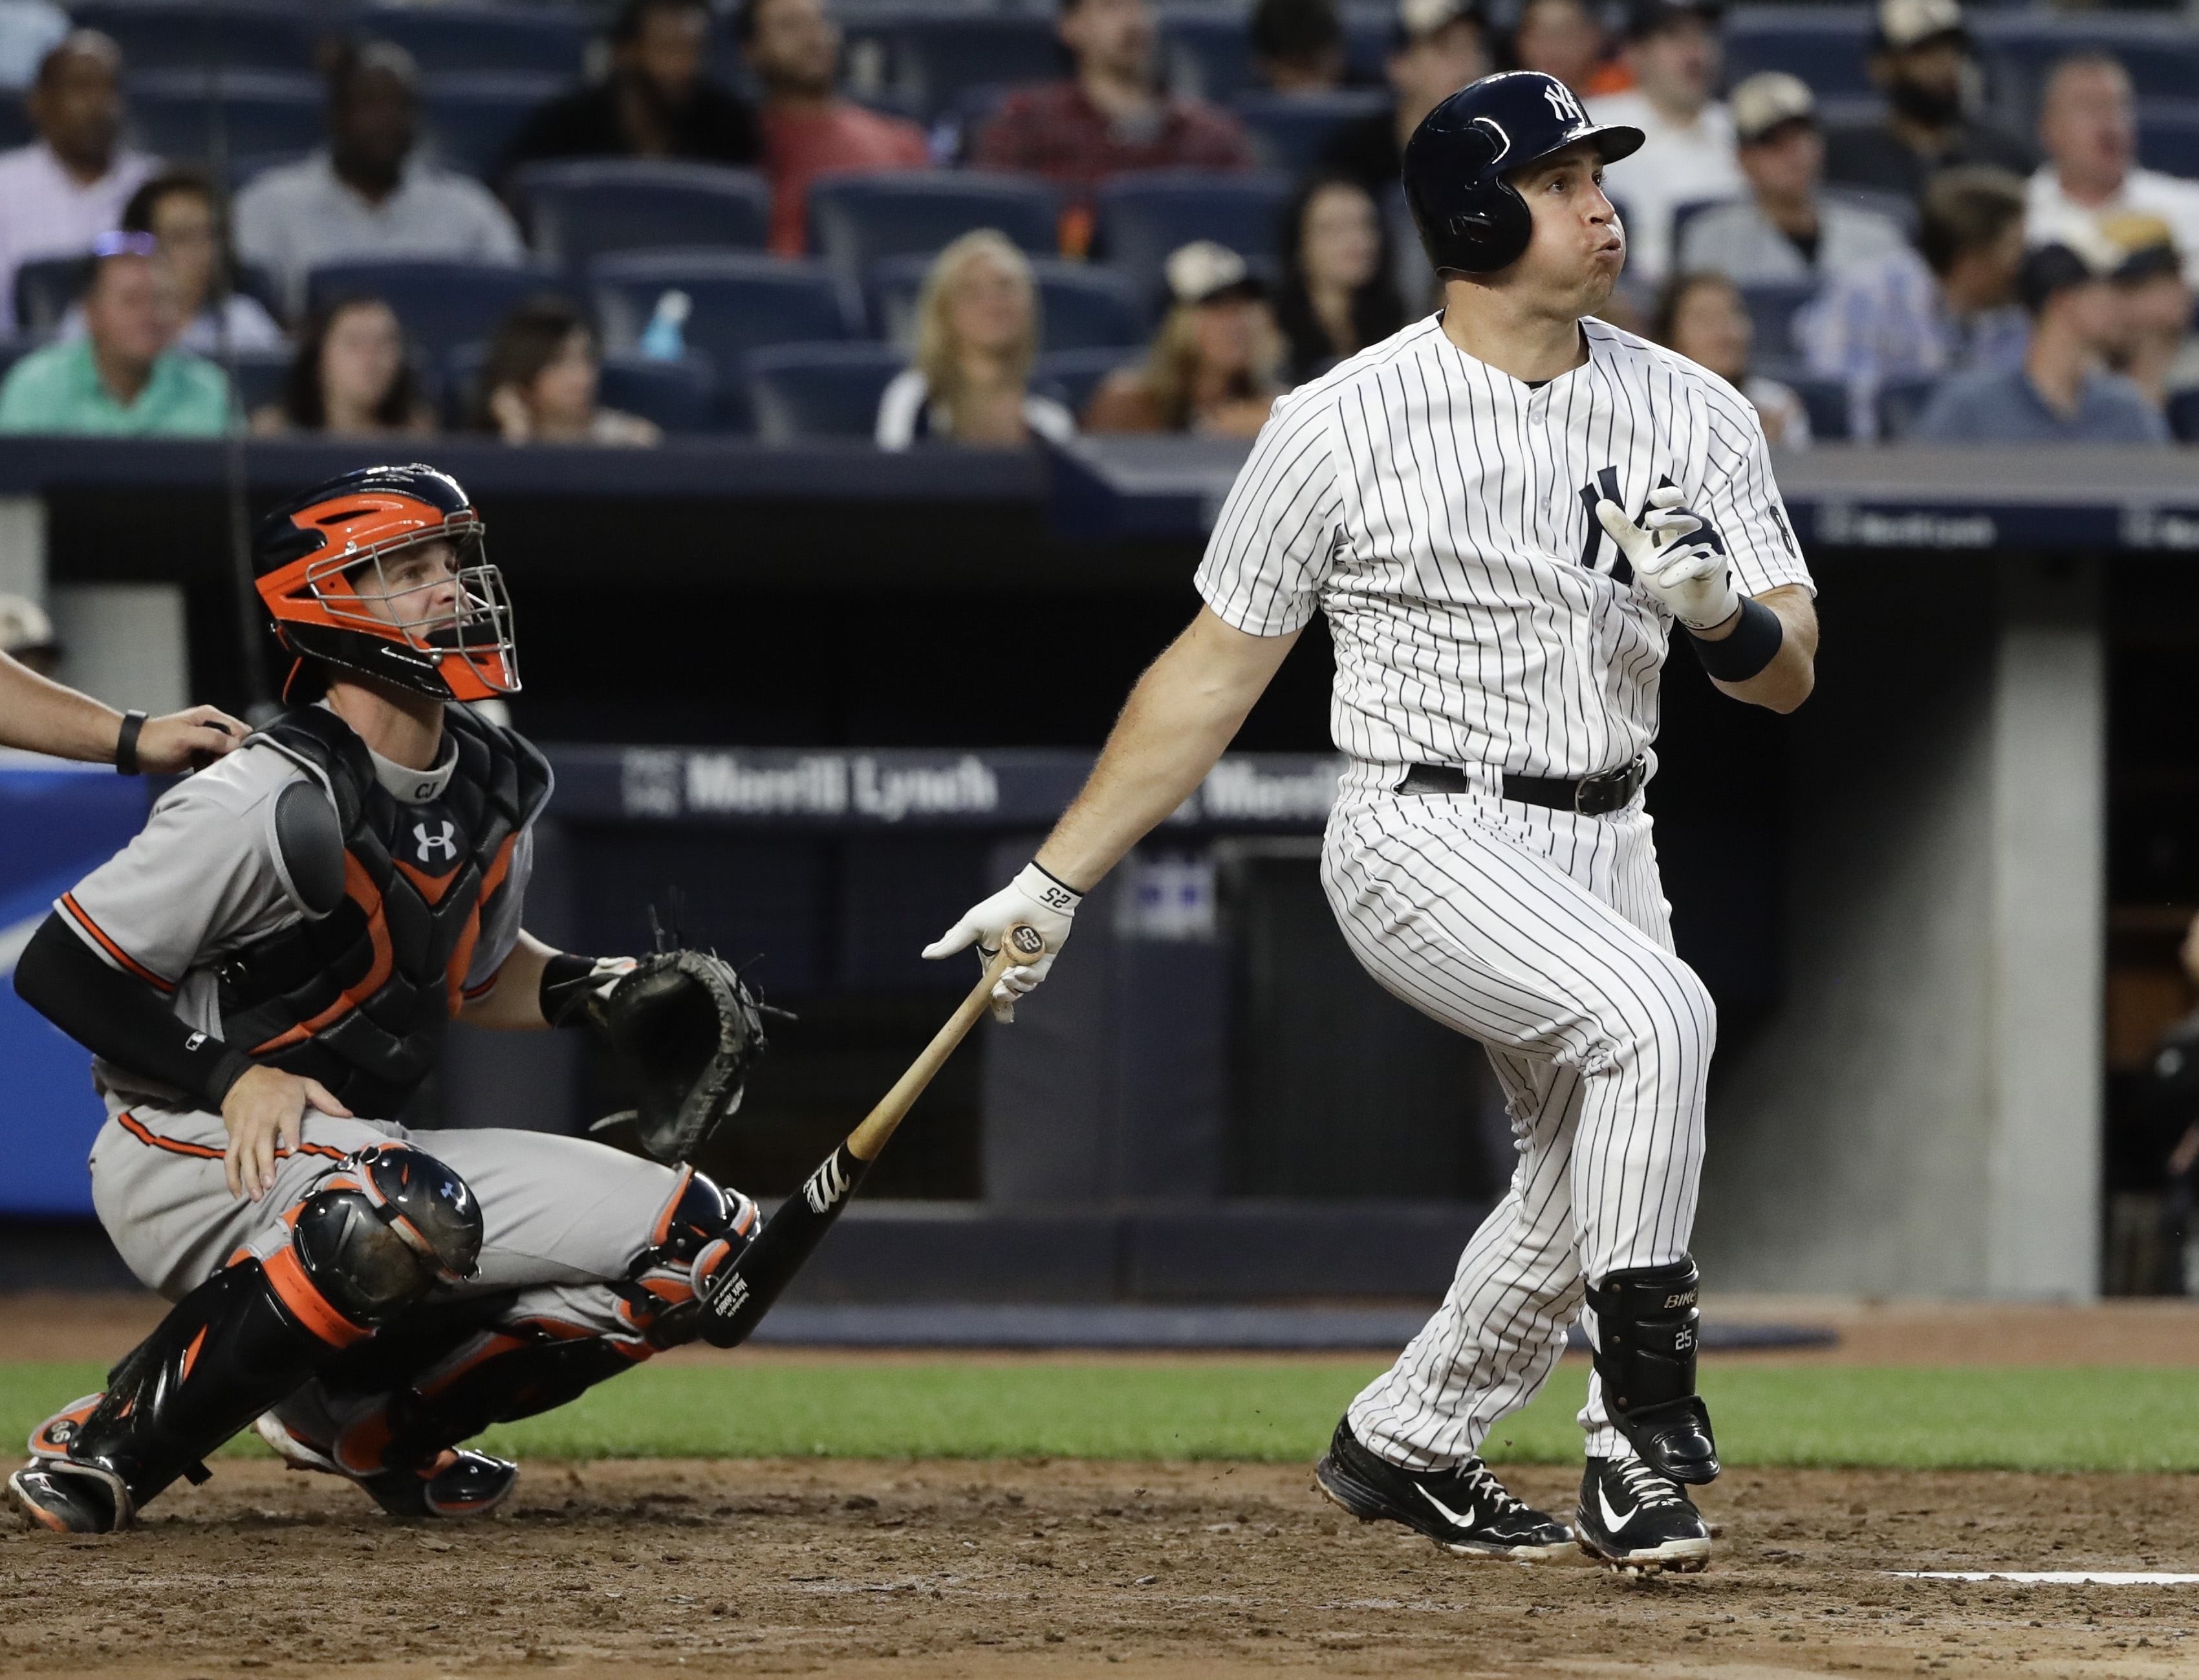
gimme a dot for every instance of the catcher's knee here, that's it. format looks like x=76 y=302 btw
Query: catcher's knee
x=701 y=1228
x=384 y=1229
x=1645 y=1334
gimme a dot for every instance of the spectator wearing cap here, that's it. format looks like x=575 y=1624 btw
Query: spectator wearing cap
x=1436 y=48
x=1297 y=45
x=1562 y=38
x=792 y=49
x=124 y=377
x=365 y=195
x=68 y=186
x=1947 y=307
x=1922 y=58
x=1782 y=231
x=1212 y=366
x=2159 y=351
x=2063 y=392
x=976 y=335
x=1686 y=151
x=1108 y=117
x=2088 y=126
x=657 y=101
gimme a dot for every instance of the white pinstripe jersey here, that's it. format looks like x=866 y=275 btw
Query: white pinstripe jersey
x=1441 y=514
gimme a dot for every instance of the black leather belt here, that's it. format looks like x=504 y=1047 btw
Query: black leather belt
x=1596 y=796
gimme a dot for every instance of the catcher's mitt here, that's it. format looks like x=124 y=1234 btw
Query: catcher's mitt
x=684 y=1027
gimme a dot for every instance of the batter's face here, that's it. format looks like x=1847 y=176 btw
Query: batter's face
x=1577 y=247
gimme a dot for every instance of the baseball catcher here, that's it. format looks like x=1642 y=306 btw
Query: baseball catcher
x=265 y=975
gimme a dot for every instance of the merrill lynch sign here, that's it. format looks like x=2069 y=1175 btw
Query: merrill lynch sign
x=863 y=788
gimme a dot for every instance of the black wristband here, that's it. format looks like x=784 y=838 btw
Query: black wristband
x=1754 y=644
x=126 y=744
x=565 y=989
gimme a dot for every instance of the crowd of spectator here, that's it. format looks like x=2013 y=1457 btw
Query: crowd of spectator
x=1916 y=267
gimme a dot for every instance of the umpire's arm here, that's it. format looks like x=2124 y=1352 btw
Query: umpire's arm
x=1786 y=682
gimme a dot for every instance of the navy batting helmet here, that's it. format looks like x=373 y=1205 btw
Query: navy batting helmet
x=1470 y=219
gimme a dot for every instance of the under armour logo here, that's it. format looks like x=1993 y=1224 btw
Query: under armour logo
x=447 y=843
x=1563 y=105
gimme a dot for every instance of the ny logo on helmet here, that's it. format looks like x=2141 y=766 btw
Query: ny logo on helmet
x=1563 y=105
x=447 y=843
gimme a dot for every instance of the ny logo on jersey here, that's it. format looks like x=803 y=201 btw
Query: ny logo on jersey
x=447 y=843
x=1603 y=488
x=1563 y=105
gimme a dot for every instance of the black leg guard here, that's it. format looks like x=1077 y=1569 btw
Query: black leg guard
x=250 y=1334
x=1645 y=1334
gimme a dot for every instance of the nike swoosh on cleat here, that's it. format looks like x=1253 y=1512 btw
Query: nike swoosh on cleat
x=1450 y=1515
x=1613 y=1518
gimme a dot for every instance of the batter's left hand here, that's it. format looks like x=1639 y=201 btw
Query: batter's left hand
x=1679 y=557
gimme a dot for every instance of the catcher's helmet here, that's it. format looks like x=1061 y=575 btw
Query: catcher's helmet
x=319 y=559
x=1473 y=220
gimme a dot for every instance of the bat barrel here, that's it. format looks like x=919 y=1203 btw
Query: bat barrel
x=750 y=1285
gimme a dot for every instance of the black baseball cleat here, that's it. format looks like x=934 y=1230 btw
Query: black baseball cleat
x=68 y=1499
x=461 y=1483
x=1631 y=1518
x=1466 y=1510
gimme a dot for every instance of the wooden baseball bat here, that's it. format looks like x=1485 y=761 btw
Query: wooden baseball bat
x=740 y=1294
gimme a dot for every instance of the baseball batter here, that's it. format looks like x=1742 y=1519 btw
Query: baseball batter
x=1507 y=513
x=265 y=975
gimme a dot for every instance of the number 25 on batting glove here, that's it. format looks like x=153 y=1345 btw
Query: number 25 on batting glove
x=1679 y=557
x=1033 y=897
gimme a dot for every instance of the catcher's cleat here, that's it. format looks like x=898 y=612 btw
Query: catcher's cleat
x=71 y=1499
x=1632 y=1518
x=460 y=1483
x=1465 y=1510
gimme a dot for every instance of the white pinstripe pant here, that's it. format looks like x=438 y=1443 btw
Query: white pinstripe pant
x=1546 y=936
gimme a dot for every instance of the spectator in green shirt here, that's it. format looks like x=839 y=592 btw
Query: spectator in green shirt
x=123 y=378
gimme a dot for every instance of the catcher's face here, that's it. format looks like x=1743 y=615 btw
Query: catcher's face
x=415 y=589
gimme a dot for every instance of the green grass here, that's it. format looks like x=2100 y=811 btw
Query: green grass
x=2097 y=1419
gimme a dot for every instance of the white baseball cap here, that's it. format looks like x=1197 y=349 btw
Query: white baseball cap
x=1205 y=270
x=1903 y=24
x=1767 y=99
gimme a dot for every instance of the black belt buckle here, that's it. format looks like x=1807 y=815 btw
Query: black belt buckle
x=1609 y=790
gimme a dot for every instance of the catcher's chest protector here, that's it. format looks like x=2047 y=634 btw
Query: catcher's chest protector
x=360 y=998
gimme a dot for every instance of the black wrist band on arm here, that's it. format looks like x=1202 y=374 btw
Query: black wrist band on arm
x=1056 y=879
x=126 y=744
x=1754 y=644
x=565 y=989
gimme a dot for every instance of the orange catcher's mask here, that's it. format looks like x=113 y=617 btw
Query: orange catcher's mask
x=346 y=572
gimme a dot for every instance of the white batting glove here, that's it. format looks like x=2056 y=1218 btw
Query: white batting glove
x=1679 y=557
x=1033 y=897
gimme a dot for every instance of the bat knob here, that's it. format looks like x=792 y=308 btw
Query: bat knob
x=1025 y=942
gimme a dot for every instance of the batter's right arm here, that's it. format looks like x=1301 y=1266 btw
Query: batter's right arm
x=1181 y=715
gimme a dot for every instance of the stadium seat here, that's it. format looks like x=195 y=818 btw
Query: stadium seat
x=2162 y=54
x=1083 y=305
x=1071 y=376
x=1206 y=55
x=44 y=292
x=856 y=218
x=263 y=112
x=169 y=34
x=1771 y=311
x=1829 y=47
x=1897 y=207
x=1144 y=217
x=1288 y=130
x=677 y=396
x=1369 y=32
x=2183 y=416
x=819 y=390
x=260 y=376
x=1901 y=404
x=1827 y=403
x=15 y=128
x=552 y=41
x=923 y=63
x=471 y=119
x=2168 y=136
x=738 y=302
x=440 y=304
x=1681 y=215
x=578 y=211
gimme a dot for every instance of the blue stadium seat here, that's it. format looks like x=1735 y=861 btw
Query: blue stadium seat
x=1144 y=217
x=171 y=114
x=580 y=210
x=1826 y=401
x=1681 y=215
x=1071 y=376
x=1897 y=207
x=2183 y=416
x=1771 y=311
x=1206 y=55
x=1288 y=130
x=677 y=396
x=923 y=63
x=550 y=40
x=1829 y=47
x=1369 y=32
x=855 y=219
x=169 y=34
x=1901 y=404
x=2162 y=54
x=44 y=292
x=15 y=128
x=1084 y=305
x=471 y=119
x=440 y=304
x=819 y=390
x=2168 y=136
x=260 y=376
x=738 y=302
